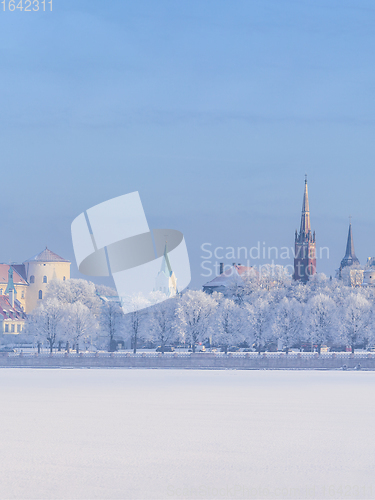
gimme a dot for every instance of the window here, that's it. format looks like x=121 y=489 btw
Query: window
x=32 y=279
x=44 y=279
x=7 y=328
x=63 y=278
x=18 y=328
x=40 y=294
x=23 y=294
x=1 y=291
x=12 y=328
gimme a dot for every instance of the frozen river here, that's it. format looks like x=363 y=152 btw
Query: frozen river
x=116 y=434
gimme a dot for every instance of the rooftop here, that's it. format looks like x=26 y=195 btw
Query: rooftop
x=18 y=274
x=47 y=256
x=236 y=273
x=9 y=312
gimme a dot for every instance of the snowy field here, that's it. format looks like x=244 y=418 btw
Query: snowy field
x=116 y=434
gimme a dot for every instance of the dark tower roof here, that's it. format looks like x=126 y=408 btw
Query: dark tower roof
x=350 y=257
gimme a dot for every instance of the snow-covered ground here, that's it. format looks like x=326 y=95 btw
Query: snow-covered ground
x=115 y=434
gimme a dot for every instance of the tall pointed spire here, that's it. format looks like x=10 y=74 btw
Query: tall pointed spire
x=165 y=264
x=305 y=217
x=350 y=256
x=304 y=257
x=166 y=281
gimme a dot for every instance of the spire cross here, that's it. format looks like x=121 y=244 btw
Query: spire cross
x=305 y=178
x=350 y=219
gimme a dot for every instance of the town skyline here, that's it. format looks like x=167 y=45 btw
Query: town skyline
x=213 y=114
x=257 y=255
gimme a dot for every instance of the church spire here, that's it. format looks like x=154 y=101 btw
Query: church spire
x=166 y=281
x=166 y=265
x=350 y=256
x=305 y=217
x=304 y=257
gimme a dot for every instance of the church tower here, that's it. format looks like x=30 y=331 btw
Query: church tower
x=350 y=270
x=350 y=258
x=166 y=281
x=304 y=244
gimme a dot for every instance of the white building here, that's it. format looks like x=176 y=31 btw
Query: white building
x=228 y=278
x=369 y=272
x=166 y=280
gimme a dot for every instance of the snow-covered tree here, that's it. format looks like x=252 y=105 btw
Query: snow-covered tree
x=106 y=291
x=81 y=323
x=320 y=319
x=195 y=313
x=241 y=287
x=271 y=275
x=136 y=316
x=355 y=318
x=298 y=291
x=162 y=322
x=75 y=290
x=46 y=322
x=318 y=282
x=287 y=323
x=231 y=324
x=111 y=322
x=370 y=331
x=259 y=319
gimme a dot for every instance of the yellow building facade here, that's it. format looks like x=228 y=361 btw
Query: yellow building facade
x=30 y=279
x=40 y=270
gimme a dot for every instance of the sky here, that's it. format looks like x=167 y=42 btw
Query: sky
x=213 y=110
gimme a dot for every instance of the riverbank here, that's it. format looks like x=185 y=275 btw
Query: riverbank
x=203 y=361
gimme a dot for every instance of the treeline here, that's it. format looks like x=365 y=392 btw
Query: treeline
x=256 y=312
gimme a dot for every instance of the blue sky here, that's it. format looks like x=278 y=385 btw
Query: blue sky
x=212 y=110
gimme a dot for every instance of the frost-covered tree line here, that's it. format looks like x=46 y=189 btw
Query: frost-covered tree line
x=72 y=315
x=262 y=313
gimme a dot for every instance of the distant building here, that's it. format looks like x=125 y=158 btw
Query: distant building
x=166 y=280
x=12 y=317
x=350 y=258
x=369 y=272
x=13 y=275
x=28 y=281
x=350 y=270
x=40 y=270
x=228 y=279
x=304 y=245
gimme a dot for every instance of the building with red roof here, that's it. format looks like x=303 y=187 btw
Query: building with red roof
x=28 y=281
x=19 y=281
x=12 y=316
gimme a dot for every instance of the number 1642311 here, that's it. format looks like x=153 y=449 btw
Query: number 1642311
x=27 y=5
